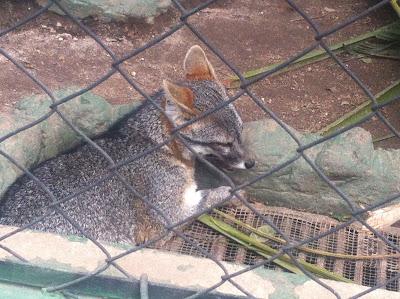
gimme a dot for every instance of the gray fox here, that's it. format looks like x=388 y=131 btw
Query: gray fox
x=109 y=211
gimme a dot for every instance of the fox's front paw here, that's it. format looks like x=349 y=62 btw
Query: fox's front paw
x=145 y=232
x=223 y=195
x=236 y=199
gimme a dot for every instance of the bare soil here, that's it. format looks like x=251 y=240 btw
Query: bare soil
x=250 y=34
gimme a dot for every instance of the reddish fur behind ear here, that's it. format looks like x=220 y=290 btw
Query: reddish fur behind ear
x=175 y=146
x=182 y=96
x=198 y=74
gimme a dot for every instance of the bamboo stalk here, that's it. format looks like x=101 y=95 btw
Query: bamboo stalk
x=386 y=137
x=251 y=243
x=395 y=6
x=303 y=248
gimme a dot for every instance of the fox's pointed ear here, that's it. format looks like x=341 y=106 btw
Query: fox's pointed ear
x=181 y=96
x=197 y=66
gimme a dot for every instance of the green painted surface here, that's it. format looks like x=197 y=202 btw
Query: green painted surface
x=27 y=281
x=41 y=277
x=285 y=283
x=10 y=291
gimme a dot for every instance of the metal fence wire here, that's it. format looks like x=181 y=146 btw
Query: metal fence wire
x=245 y=84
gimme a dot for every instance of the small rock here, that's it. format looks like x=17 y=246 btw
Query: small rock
x=343 y=103
x=64 y=36
x=58 y=24
x=133 y=74
x=141 y=59
x=332 y=89
x=366 y=60
x=294 y=108
x=329 y=9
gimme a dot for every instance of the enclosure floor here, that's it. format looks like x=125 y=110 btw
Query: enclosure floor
x=250 y=34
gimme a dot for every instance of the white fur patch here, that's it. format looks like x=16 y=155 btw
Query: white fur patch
x=239 y=165
x=191 y=197
x=201 y=150
x=172 y=111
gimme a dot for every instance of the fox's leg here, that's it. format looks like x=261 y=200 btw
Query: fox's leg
x=218 y=195
x=149 y=225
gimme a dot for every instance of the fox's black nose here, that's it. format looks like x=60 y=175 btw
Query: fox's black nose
x=249 y=164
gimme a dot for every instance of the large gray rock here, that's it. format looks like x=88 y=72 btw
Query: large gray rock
x=107 y=10
x=364 y=174
x=90 y=113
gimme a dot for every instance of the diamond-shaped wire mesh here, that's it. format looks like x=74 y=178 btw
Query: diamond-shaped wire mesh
x=330 y=234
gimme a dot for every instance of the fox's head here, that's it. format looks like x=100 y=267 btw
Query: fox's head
x=217 y=137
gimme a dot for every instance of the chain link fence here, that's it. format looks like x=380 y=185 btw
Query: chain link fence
x=290 y=246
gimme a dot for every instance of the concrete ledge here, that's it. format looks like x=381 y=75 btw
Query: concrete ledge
x=78 y=255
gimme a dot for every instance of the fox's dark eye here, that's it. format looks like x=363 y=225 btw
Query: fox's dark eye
x=222 y=146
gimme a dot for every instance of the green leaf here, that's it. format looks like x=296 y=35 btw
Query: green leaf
x=362 y=110
x=387 y=33
x=266 y=251
x=264 y=229
x=395 y=6
x=366 y=60
x=386 y=137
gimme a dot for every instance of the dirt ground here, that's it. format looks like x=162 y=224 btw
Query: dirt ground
x=250 y=34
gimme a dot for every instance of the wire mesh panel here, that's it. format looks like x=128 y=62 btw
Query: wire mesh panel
x=301 y=236
x=357 y=254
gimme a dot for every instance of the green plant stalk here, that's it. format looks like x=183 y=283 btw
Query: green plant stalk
x=281 y=263
x=302 y=248
x=395 y=6
x=379 y=139
x=267 y=252
x=311 y=57
x=362 y=110
x=249 y=242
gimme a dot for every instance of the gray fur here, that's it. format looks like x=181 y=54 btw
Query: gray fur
x=109 y=211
